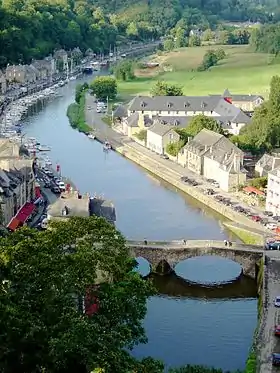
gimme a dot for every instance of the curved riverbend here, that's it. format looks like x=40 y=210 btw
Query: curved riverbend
x=185 y=321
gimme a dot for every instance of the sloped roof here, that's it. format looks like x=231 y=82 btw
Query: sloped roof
x=120 y=111
x=173 y=103
x=160 y=128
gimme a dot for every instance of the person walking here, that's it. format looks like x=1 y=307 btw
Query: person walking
x=225 y=242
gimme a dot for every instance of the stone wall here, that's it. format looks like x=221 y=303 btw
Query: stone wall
x=173 y=177
x=155 y=256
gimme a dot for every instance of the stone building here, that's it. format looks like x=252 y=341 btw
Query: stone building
x=17 y=185
x=273 y=192
x=215 y=157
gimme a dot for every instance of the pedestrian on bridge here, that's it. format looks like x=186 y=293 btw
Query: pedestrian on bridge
x=226 y=242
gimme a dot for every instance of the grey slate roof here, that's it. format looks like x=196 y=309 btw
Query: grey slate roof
x=239 y=97
x=174 y=103
x=211 y=144
x=268 y=162
x=160 y=128
x=120 y=111
x=275 y=172
x=179 y=122
x=226 y=111
x=132 y=120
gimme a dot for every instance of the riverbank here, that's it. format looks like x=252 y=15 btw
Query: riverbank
x=76 y=115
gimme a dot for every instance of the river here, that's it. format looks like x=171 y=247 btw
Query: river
x=185 y=324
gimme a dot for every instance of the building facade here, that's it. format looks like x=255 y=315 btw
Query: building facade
x=159 y=136
x=273 y=192
x=215 y=157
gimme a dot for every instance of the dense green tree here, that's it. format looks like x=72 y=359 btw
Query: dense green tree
x=168 y=45
x=199 y=122
x=164 y=89
x=194 y=41
x=263 y=133
x=104 y=87
x=210 y=59
x=44 y=278
x=125 y=70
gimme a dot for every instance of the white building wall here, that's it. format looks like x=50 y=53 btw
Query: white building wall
x=154 y=142
x=273 y=193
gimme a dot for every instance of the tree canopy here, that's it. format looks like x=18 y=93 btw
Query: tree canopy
x=164 y=89
x=199 y=122
x=44 y=278
x=104 y=87
x=263 y=133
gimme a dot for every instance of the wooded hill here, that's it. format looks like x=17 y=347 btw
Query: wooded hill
x=34 y=28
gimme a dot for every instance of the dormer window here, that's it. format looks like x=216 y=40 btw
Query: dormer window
x=142 y=104
x=203 y=105
x=176 y=123
x=187 y=104
x=169 y=104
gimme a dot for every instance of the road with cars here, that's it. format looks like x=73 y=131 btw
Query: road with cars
x=268 y=342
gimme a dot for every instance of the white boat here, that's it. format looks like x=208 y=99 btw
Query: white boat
x=43 y=148
x=47 y=161
x=91 y=136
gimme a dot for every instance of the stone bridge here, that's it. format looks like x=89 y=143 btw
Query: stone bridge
x=163 y=256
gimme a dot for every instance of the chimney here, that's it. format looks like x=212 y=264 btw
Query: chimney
x=236 y=163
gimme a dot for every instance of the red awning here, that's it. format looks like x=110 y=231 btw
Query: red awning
x=25 y=211
x=37 y=192
x=14 y=224
x=250 y=189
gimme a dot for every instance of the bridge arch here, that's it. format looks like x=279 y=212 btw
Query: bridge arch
x=247 y=258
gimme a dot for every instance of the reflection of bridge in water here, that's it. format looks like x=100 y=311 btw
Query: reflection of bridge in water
x=175 y=286
x=163 y=256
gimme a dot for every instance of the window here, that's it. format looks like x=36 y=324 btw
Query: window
x=159 y=112
x=142 y=111
x=171 y=136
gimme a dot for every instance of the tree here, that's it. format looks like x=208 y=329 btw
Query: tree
x=199 y=122
x=103 y=87
x=80 y=88
x=164 y=89
x=44 y=278
x=168 y=45
x=173 y=148
x=194 y=41
x=209 y=59
x=125 y=70
x=208 y=35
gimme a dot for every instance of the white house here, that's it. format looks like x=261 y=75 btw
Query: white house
x=273 y=192
x=159 y=135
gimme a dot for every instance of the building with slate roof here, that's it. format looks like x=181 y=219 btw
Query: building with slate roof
x=229 y=116
x=248 y=103
x=159 y=135
x=213 y=156
x=267 y=163
x=273 y=192
x=17 y=182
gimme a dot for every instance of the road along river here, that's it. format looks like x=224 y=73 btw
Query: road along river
x=185 y=323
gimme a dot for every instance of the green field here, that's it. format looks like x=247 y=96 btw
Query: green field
x=242 y=71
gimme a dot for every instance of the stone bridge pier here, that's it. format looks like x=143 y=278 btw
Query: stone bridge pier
x=163 y=260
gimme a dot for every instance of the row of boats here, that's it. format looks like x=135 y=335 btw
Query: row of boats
x=10 y=126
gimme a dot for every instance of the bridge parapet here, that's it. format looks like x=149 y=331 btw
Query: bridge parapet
x=193 y=244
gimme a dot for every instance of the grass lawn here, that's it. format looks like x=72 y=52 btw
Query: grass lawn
x=242 y=71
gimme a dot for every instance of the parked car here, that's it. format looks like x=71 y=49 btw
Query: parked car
x=164 y=156
x=215 y=184
x=273 y=246
x=275 y=359
x=256 y=218
x=277 y=301
x=277 y=330
x=55 y=190
x=184 y=179
x=61 y=186
x=47 y=184
x=268 y=213
x=271 y=225
x=210 y=192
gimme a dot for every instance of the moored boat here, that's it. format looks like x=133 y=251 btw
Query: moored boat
x=43 y=148
x=91 y=136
